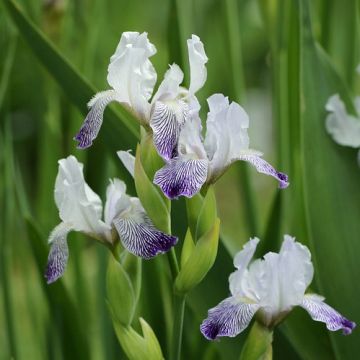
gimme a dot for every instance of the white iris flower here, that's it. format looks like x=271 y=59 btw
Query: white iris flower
x=343 y=127
x=80 y=209
x=270 y=287
x=132 y=78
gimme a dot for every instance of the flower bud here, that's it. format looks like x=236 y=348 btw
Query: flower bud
x=122 y=295
x=196 y=266
x=154 y=203
x=135 y=346
x=258 y=344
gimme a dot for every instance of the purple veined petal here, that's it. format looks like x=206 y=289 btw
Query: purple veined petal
x=166 y=121
x=141 y=238
x=264 y=167
x=181 y=177
x=59 y=253
x=320 y=311
x=93 y=121
x=228 y=318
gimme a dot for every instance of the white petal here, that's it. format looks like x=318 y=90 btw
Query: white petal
x=166 y=121
x=197 y=59
x=128 y=161
x=241 y=262
x=138 y=235
x=93 y=121
x=226 y=134
x=343 y=127
x=190 y=144
x=116 y=200
x=131 y=73
x=228 y=318
x=78 y=205
x=320 y=311
x=170 y=86
x=59 y=252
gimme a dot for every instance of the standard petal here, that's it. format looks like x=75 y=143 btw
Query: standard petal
x=59 y=253
x=320 y=311
x=197 y=60
x=131 y=73
x=170 y=86
x=229 y=318
x=166 y=121
x=265 y=168
x=116 y=200
x=181 y=177
x=128 y=161
x=139 y=236
x=241 y=262
x=344 y=128
x=226 y=133
x=93 y=121
x=77 y=203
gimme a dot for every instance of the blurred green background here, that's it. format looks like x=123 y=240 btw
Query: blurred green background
x=280 y=59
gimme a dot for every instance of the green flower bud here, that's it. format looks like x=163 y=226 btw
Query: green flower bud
x=137 y=347
x=258 y=344
x=196 y=266
x=187 y=248
x=122 y=295
x=154 y=203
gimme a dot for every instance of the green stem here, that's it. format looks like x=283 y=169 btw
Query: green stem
x=179 y=308
x=173 y=263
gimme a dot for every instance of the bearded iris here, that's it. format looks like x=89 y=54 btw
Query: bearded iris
x=80 y=209
x=199 y=161
x=132 y=78
x=270 y=288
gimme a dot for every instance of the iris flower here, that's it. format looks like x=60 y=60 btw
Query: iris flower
x=132 y=78
x=199 y=161
x=270 y=288
x=343 y=127
x=80 y=209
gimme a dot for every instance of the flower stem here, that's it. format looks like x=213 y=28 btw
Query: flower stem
x=179 y=309
x=173 y=263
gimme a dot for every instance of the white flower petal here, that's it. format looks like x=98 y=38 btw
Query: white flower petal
x=320 y=311
x=138 y=235
x=197 y=59
x=128 y=161
x=116 y=200
x=170 y=86
x=228 y=318
x=241 y=262
x=343 y=127
x=93 y=121
x=59 y=253
x=226 y=134
x=166 y=121
x=78 y=205
x=131 y=73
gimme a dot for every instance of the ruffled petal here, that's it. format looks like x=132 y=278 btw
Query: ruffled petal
x=197 y=60
x=77 y=203
x=265 y=168
x=170 y=86
x=131 y=73
x=93 y=121
x=181 y=177
x=229 y=318
x=320 y=311
x=139 y=236
x=344 y=128
x=226 y=133
x=166 y=121
x=59 y=253
x=241 y=262
x=128 y=161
